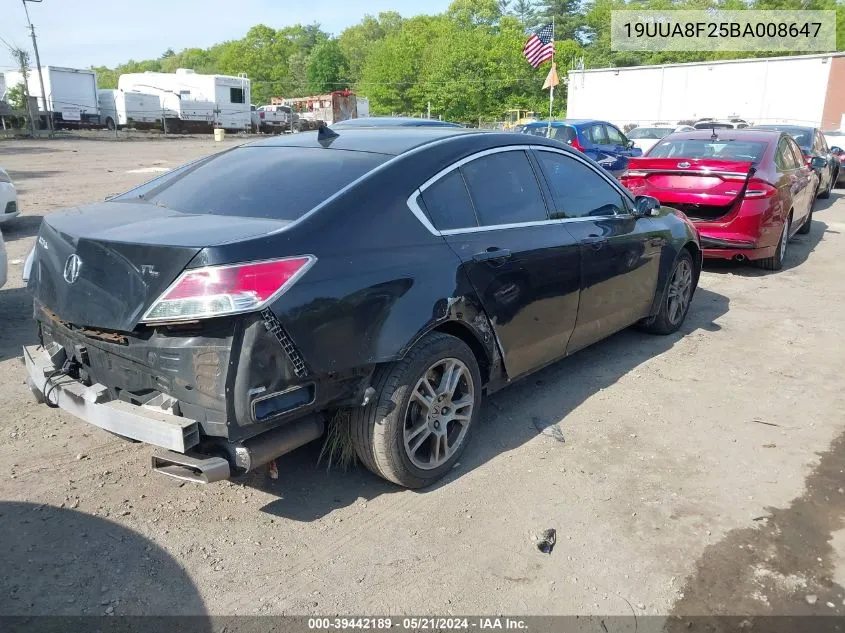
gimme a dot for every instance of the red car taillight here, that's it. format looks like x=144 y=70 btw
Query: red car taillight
x=214 y=291
x=576 y=145
x=759 y=189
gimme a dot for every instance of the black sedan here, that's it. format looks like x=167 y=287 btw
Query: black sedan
x=227 y=310
x=813 y=144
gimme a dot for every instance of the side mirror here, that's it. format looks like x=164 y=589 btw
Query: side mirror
x=818 y=162
x=646 y=207
x=836 y=150
x=629 y=144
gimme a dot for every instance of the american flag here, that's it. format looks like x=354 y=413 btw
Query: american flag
x=540 y=46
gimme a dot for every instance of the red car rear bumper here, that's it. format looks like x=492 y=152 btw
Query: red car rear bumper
x=750 y=232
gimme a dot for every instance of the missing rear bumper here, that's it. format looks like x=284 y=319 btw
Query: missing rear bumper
x=200 y=469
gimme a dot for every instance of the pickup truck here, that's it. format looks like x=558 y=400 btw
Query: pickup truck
x=276 y=118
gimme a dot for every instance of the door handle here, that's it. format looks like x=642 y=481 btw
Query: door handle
x=491 y=254
x=596 y=241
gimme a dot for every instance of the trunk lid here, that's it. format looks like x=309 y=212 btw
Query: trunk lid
x=126 y=255
x=704 y=189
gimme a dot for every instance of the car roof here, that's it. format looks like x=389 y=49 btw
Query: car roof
x=546 y=124
x=393 y=141
x=394 y=121
x=732 y=134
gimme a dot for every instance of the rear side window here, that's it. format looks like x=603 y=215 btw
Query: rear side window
x=797 y=154
x=281 y=183
x=785 y=158
x=447 y=203
x=236 y=95
x=578 y=191
x=504 y=189
x=565 y=134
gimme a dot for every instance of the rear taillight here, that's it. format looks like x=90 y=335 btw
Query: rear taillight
x=214 y=291
x=759 y=189
x=576 y=145
x=633 y=180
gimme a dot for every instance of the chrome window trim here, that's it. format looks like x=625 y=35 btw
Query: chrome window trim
x=626 y=195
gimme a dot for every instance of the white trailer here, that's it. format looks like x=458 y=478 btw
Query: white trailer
x=71 y=94
x=195 y=100
x=119 y=109
x=363 y=107
x=803 y=89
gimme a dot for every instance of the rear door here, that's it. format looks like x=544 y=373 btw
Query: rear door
x=619 y=253
x=619 y=143
x=523 y=266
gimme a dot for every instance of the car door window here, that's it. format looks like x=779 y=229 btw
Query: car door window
x=597 y=135
x=615 y=136
x=784 y=159
x=577 y=190
x=447 y=203
x=797 y=155
x=504 y=189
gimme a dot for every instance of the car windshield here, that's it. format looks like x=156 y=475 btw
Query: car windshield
x=281 y=183
x=802 y=135
x=650 y=132
x=707 y=148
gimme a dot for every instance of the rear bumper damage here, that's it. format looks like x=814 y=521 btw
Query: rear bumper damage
x=151 y=423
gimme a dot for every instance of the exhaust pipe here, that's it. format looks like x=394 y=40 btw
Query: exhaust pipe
x=266 y=447
x=739 y=258
x=244 y=457
x=200 y=470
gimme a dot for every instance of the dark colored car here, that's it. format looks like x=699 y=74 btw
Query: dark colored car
x=747 y=191
x=600 y=140
x=813 y=145
x=227 y=309
x=391 y=121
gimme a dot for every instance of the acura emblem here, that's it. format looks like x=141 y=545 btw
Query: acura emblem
x=683 y=165
x=72 y=267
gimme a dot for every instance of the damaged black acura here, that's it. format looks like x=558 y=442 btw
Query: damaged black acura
x=227 y=310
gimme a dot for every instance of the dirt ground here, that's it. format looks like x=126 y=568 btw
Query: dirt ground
x=700 y=473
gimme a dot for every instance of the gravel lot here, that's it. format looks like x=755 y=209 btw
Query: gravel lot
x=700 y=473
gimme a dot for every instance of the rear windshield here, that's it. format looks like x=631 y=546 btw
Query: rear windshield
x=281 y=183
x=561 y=132
x=706 y=148
x=650 y=132
x=802 y=135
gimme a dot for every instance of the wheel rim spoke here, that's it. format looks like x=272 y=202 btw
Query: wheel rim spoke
x=437 y=418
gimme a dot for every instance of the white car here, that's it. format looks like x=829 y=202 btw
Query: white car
x=8 y=198
x=646 y=137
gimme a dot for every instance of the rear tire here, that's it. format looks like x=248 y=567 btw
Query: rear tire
x=110 y=124
x=775 y=262
x=677 y=297
x=824 y=195
x=410 y=443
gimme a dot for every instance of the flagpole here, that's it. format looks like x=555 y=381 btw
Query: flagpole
x=552 y=88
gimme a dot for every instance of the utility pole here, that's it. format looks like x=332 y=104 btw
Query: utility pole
x=38 y=66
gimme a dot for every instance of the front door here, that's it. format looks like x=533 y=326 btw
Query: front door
x=619 y=253
x=523 y=266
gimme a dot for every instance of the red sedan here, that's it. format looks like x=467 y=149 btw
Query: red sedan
x=747 y=191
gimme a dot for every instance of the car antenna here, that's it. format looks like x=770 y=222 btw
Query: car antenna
x=325 y=135
x=714 y=136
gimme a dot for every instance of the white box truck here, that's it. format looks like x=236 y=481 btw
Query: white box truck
x=195 y=101
x=119 y=109
x=71 y=95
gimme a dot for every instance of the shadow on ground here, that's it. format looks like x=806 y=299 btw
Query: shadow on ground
x=824 y=205
x=17 y=327
x=782 y=565
x=57 y=561
x=798 y=251
x=20 y=227
x=306 y=491
x=18 y=175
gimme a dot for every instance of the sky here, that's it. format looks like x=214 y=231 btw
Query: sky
x=78 y=34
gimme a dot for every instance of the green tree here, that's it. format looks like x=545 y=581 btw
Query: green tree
x=327 y=68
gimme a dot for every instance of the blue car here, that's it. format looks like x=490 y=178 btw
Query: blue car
x=600 y=140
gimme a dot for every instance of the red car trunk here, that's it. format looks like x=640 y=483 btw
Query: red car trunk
x=703 y=188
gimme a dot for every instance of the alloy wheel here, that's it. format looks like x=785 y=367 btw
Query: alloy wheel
x=680 y=291
x=784 y=238
x=439 y=413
